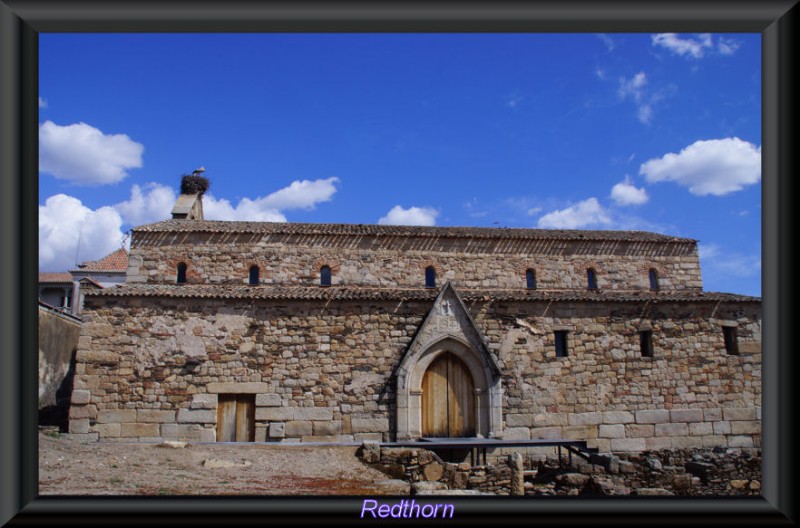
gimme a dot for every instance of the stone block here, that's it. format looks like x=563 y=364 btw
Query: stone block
x=549 y=420
x=154 y=416
x=658 y=442
x=116 y=416
x=739 y=414
x=298 y=428
x=652 y=417
x=627 y=445
x=516 y=433
x=239 y=388
x=740 y=441
x=181 y=431
x=701 y=429
x=672 y=429
x=686 y=442
x=375 y=437
x=79 y=426
x=686 y=415
x=274 y=414
x=204 y=401
x=268 y=400
x=740 y=428
x=579 y=432
x=590 y=418
x=101 y=357
x=640 y=430
x=81 y=397
x=83 y=411
x=617 y=417
x=332 y=427
x=198 y=416
x=712 y=415
x=135 y=430
x=110 y=430
x=261 y=433
x=84 y=438
x=548 y=433
x=208 y=434
x=313 y=413
x=369 y=425
x=721 y=428
x=611 y=431
x=277 y=430
x=345 y=438
x=519 y=420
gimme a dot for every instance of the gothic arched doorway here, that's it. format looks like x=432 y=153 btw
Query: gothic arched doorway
x=448 y=398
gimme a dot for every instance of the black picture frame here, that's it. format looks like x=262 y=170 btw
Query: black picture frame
x=22 y=20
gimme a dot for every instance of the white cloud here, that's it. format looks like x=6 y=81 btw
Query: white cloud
x=85 y=155
x=716 y=166
x=144 y=207
x=634 y=88
x=62 y=219
x=42 y=102
x=726 y=264
x=413 y=216
x=695 y=48
x=583 y=214
x=608 y=41
x=625 y=193
x=305 y=194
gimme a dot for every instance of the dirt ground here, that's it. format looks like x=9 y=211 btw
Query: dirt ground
x=67 y=467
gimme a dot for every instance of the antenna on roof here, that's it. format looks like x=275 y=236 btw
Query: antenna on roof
x=77 y=249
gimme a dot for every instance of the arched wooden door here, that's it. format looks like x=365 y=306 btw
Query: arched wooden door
x=448 y=401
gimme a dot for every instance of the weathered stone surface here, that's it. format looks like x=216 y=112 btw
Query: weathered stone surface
x=198 y=416
x=672 y=429
x=627 y=444
x=277 y=430
x=742 y=428
x=208 y=434
x=591 y=418
x=81 y=397
x=686 y=415
x=153 y=416
x=659 y=416
x=618 y=417
x=298 y=428
x=425 y=488
x=172 y=444
x=517 y=433
x=330 y=428
x=739 y=484
x=204 y=401
x=612 y=431
x=238 y=388
x=433 y=471
x=183 y=431
x=80 y=426
x=116 y=416
x=268 y=400
x=371 y=452
x=83 y=411
x=98 y=356
x=369 y=425
x=739 y=414
x=274 y=414
x=314 y=413
x=650 y=492
x=545 y=433
x=640 y=430
x=132 y=430
x=213 y=463
x=572 y=480
x=107 y=430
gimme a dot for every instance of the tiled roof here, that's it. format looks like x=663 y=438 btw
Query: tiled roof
x=113 y=262
x=345 y=293
x=288 y=228
x=53 y=278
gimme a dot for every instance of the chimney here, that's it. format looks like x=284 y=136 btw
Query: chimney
x=189 y=205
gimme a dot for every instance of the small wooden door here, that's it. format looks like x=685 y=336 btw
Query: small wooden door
x=448 y=401
x=236 y=418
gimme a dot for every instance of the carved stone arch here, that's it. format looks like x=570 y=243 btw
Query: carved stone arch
x=449 y=328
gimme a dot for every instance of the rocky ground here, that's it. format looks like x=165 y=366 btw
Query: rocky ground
x=67 y=467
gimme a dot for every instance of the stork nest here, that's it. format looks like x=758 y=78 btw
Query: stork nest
x=192 y=184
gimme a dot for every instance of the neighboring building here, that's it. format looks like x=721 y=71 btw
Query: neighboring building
x=325 y=332
x=59 y=290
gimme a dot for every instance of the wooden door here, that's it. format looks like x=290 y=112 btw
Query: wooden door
x=236 y=415
x=448 y=402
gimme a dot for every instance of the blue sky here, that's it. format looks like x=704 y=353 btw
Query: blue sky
x=655 y=132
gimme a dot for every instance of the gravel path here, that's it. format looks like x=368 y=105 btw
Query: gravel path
x=67 y=467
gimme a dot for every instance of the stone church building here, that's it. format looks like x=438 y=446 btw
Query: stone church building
x=267 y=332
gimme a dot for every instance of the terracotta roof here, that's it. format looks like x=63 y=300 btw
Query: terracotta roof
x=289 y=228
x=55 y=277
x=344 y=293
x=116 y=262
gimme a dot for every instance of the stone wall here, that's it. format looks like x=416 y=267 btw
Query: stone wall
x=152 y=368
x=58 y=341
x=283 y=260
